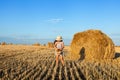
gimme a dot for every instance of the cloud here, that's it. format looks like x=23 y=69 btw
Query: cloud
x=57 y=20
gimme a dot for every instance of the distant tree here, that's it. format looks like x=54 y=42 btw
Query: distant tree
x=10 y=43
x=44 y=44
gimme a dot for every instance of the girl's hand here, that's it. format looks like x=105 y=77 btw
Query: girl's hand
x=61 y=49
x=56 y=49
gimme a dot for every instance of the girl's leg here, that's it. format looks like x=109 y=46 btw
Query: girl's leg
x=57 y=56
x=62 y=60
x=55 y=53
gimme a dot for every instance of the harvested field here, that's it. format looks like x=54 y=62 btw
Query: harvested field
x=18 y=62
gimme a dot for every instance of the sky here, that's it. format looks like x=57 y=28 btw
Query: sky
x=46 y=19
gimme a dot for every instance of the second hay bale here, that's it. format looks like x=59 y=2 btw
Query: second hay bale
x=92 y=44
x=3 y=43
x=50 y=45
x=36 y=44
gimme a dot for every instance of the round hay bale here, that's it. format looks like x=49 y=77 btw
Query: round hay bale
x=50 y=45
x=3 y=43
x=36 y=44
x=92 y=44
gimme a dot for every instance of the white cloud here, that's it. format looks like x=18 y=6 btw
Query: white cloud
x=57 y=20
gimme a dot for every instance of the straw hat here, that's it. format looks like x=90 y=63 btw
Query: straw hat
x=59 y=38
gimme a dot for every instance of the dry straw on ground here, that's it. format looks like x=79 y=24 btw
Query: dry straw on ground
x=26 y=62
x=92 y=44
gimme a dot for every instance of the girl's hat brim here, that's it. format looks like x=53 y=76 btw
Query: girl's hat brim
x=59 y=38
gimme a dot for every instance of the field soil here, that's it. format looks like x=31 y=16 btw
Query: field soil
x=23 y=62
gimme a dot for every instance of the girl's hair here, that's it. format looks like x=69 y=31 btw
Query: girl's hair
x=56 y=41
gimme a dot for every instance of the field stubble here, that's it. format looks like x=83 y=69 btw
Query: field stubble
x=18 y=62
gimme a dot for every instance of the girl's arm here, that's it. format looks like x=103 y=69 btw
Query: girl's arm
x=62 y=45
x=55 y=45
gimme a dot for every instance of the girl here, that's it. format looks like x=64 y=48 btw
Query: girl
x=59 y=46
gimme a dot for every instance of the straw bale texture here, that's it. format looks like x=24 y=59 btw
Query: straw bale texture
x=50 y=45
x=36 y=44
x=92 y=44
